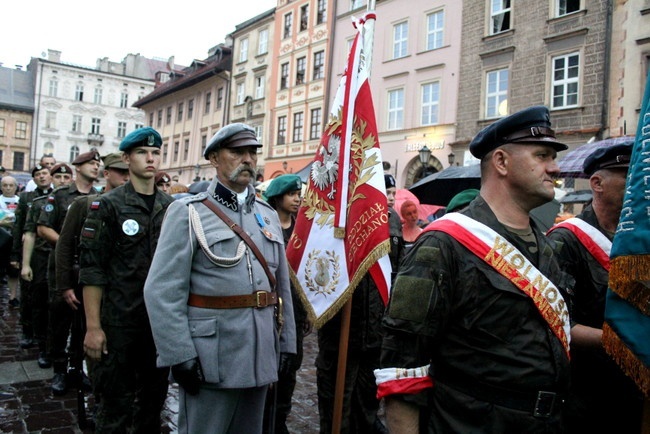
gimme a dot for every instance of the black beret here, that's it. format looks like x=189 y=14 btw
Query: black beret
x=146 y=136
x=86 y=157
x=234 y=135
x=528 y=126
x=283 y=184
x=617 y=156
x=389 y=180
x=37 y=168
x=60 y=168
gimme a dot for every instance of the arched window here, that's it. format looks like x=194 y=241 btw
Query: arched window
x=48 y=148
x=74 y=152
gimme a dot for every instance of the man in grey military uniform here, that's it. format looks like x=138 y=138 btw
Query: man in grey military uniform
x=213 y=307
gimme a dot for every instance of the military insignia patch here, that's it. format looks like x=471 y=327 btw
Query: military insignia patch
x=49 y=207
x=88 y=233
x=130 y=227
x=94 y=205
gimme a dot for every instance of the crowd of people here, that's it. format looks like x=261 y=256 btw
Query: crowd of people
x=156 y=284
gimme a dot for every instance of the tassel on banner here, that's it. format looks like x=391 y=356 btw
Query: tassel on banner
x=629 y=277
x=628 y=362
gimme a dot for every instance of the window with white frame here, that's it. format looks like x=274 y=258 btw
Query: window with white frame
x=121 y=129
x=282 y=131
x=566 y=78
x=259 y=132
x=499 y=16
x=21 y=130
x=186 y=149
x=50 y=120
x=288 y=23
x=243 y=50
x=2 y=127
x=354 y=4
x=259 y=86
x=124 y=99
x=176 y=149
x=315 y=123
x=95 y=126
x=321 y=11
x=263 y=41
x=98 y=95
x=395 y=109
x=48 y=149
x=400 y=40
x=564 y=7
x=435 y=30
x=301 y=65
x=304 y=17
x=219 y=97
x=165 y=152
x=79 y=92
x=76 y=123
x=168 y=116
x=179 y=113
x=208 y=101
x=190 y=108
x=284 y=75
x=159 y=121
x=319 y=65
x=241 y=93
x=430 y=103
x=298 y=124
x=74 y=152
x=496 y=93
x=54 y=87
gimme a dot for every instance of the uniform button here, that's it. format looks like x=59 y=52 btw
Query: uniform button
x=258 y=281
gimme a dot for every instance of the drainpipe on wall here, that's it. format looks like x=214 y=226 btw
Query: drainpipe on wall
x=604 y=116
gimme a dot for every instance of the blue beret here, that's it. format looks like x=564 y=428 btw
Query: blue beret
x=283 y=184
x=528 y=126
x=146 y=136
x=617 y=156
x=234 y=135
x=389 y=181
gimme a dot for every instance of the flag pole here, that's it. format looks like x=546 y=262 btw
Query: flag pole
x=346 y=311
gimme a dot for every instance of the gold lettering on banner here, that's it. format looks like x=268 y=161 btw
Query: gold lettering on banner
x=367 y=223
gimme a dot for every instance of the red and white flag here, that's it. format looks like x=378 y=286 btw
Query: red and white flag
x=341 y=230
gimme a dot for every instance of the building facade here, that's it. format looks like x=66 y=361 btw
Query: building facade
x=16 y=112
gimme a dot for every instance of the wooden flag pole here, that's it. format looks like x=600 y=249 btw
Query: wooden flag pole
x=346 y=314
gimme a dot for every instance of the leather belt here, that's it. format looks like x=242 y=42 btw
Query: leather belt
x=258 y=300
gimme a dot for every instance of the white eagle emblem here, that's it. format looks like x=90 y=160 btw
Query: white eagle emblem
x=325 y=172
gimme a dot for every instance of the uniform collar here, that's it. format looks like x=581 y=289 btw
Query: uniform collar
x=228 y=198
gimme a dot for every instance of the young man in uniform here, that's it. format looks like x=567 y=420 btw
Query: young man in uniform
x=599 y=389
x=213 y=294
x=477 y=330
x=49 y=226
x=118 y=241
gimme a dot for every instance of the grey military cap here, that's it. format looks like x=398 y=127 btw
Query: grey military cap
x=235 y=135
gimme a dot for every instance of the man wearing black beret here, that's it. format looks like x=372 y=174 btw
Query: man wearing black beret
x=118 y=241
x=599 y=389
x=218 y=296
x=477 y=330
x=49 y=226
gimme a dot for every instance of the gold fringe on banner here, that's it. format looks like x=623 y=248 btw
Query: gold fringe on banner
x=629 y=363
x=629 y=278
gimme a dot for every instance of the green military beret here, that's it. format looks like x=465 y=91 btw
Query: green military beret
x=283 y=184
x=235 y=135
x=462 y=199
x=146 y=136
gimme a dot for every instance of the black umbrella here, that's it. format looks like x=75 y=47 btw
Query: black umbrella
x=571 y=163
x=441 y=187
x=578 y=196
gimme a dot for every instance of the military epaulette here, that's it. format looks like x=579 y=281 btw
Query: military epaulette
x=263 y=202
x=45 y=196
x=63 y=187
x=190 y=199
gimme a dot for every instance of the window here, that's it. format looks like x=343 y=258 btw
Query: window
x=19 y=161
x=259 y=86
x=74 y=152
x=138 y=126
x=241 y=93
x=304 y=17
x=168 y=119
x=354 y=4
x=186 y=149
x=430 y=103
x=160 y=118
x=79 y=92
x=2 y=127
x=263 y=42
x=124 y=100
x=76 y=123
x=499 y=16
x=315 y=124
x=565 y=7
x=50 y=120
x=98 y=95
x=190 y=108
x=208 y=101
x=243 y=50
x=176 y=146
x=282 y=130
x=435 y=27
x=566 y=75
x=321 y=11
x=21 y=130
x=121 y=129
x=151 y=119
x=301 y=64
x=54 y=87
x=258 y=133
x=219 y=97
x=179 y=113
x=396 y=109
x=298 y=121
x=284 y=75
x=400 y=40
x=204 y=143
x=319 y=65
x=48 y=149
x=165 y=152
x=288 y=22
x=95 y=125
x=496 y=93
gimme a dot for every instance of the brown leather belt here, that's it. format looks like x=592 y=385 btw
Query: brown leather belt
x=259 y=299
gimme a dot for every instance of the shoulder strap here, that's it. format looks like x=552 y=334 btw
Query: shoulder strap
x=244 y=236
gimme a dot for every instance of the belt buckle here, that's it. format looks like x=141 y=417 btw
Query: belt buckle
x=261 y=301
x=544 y=404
